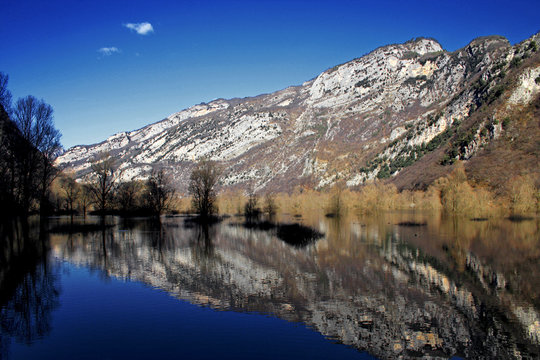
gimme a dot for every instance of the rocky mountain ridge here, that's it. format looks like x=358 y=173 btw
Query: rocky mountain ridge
x=372 y=117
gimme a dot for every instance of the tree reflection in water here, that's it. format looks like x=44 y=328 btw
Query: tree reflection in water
x=452 y=286
x=370 y=283
x=29 y=286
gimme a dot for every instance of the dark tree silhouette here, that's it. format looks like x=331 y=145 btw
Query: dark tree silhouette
x=85 y=198
x=105 y=178
x=159 y=192
x=251 y=208
x=40 y=147
x=126 y=196
x=202 y=185
x=11 y=155
x=5 y=94
x=270 y=207
x=71 y=191
x=8 y=165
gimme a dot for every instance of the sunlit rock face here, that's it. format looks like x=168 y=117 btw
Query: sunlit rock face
x=327 y=128
x=377 y=288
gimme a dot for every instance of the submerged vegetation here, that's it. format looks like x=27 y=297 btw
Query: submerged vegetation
x=454 y=194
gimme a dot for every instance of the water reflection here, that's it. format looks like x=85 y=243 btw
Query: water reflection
x=29 y=285
x=450 y=287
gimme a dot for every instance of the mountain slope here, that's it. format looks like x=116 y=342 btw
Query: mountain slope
x=398 y=107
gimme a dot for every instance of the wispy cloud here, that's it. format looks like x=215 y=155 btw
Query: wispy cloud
x=143 y=28
x=108 y=51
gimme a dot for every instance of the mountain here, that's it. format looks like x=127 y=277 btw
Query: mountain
x=404 y=112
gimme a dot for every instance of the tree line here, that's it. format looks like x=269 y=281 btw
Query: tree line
x=29 y=145
x=105 y=193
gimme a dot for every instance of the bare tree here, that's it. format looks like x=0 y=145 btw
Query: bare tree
x=336 y=206
x=126 y=196
x=159 y=192
x=5 y=94
x=270 y=207
x=202 y=185
x=105 y=178
x=85 y=198
x=251 y=208
x=71 y=191
x=40 y=147
x=8 y=173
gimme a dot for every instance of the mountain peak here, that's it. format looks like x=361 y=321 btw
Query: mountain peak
x=489 y=42
x=423 y=45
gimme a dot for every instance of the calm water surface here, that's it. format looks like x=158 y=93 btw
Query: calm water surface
x=387 y=286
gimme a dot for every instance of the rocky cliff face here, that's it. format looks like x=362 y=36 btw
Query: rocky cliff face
x=360 y=120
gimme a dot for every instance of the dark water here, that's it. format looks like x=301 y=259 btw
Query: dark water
x=431 y=287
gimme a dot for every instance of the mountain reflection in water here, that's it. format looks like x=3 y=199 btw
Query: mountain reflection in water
x=451 y=287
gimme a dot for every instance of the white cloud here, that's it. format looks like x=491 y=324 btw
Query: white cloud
x=108 y=51
x=143 y=28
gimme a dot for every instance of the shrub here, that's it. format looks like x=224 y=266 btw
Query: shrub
x=410 y=55
x=516 y=61
x=384 y=172
x=505 y=123
x=495 y=93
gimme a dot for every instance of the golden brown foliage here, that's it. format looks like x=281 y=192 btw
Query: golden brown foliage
x=523 y=195
x=454 y=194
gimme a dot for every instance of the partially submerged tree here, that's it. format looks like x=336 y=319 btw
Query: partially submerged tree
x=270 y=207
x=336 y=207
x=70 y=190
x=523 y=195
x=202 y=183
x=105 y=178
x=127 y=196
x=251 y=208
x=159 y=192
x=85 y=198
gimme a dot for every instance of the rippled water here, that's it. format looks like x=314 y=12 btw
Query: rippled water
x=391 y=285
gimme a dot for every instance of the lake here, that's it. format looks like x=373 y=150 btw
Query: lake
x=396 y=284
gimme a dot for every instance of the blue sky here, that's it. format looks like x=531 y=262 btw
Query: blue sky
x=102 y=76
